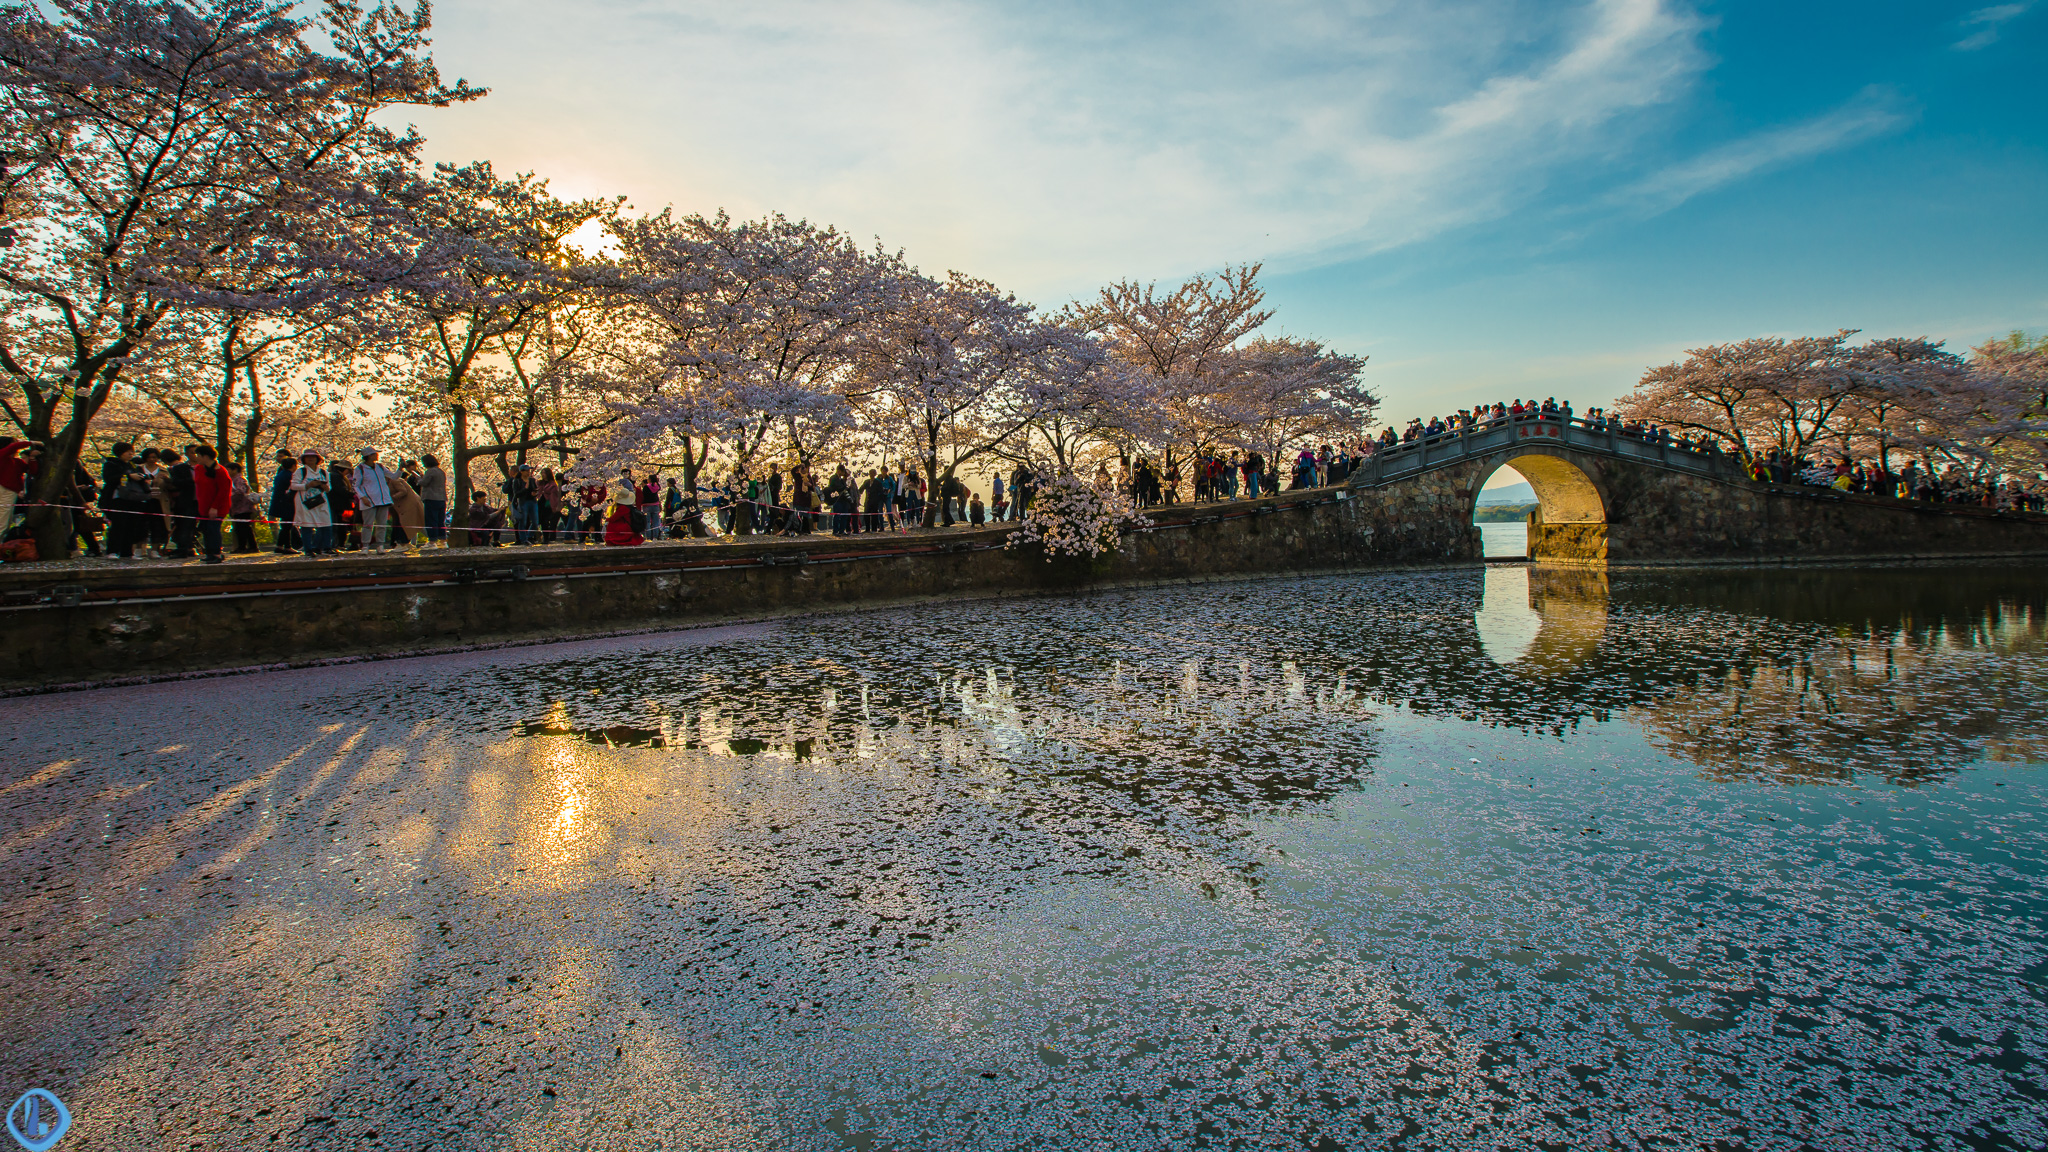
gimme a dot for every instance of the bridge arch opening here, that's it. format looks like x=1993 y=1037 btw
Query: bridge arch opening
x=1566 y=493
x=1560 y=492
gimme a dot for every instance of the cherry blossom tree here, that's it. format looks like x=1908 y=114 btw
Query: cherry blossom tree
x=559 y=374
x=510 y=268
x=1713 y=392
x=2023 y=363
x=1989 y=416
x=1982 y=416
x=175 y=155
x=753 y=331
x=1186 y=341
x=1897 y=383
x=1285 y=393
x=220 y=374
x=1752 y=395
x=955 y=371
x=1110 y=405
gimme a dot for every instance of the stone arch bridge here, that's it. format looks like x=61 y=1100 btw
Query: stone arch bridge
x=1609 y=496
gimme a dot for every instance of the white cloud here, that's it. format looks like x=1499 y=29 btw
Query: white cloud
x=1988 y=22
x=1873 y=112
x=1055 y=145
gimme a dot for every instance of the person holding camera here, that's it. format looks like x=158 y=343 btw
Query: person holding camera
x=312 y=513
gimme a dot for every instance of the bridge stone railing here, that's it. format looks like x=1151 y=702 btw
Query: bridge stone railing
x=1405 y=461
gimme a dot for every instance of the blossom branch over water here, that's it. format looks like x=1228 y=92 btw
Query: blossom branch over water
x=1073 y=518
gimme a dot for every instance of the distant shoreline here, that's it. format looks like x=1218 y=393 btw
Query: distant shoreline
x=1502 y=513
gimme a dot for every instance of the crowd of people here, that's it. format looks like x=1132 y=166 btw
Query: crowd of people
x=188 y=504
x=185 y=504
x=1230 y=474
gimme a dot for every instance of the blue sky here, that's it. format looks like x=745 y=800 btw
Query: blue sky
x=1490 y=198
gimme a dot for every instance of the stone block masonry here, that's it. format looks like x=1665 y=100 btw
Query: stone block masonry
x=107 y=624
x=1602 y=508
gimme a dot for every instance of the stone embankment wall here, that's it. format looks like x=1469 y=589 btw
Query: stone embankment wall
x=106 y=623
x=65 y=625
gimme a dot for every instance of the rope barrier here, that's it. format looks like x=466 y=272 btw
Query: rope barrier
x=352 y=522
x=342 y=581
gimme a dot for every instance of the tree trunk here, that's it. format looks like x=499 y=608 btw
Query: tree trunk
x=693 y=466
x=223 y=405
x=935 y=494
x=48 y=523
x=252 y=424
x=932 y=499
x=458 y=471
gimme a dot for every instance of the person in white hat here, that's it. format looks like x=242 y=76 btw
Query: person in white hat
x=312 y=515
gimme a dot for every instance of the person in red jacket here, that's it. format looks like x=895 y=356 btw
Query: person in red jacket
x=17 y=464
x=213 y=489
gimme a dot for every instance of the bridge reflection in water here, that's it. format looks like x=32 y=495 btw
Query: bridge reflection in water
x=1799 y=676
x=1542 y=620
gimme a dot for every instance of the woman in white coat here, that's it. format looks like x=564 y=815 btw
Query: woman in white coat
x=312 y=511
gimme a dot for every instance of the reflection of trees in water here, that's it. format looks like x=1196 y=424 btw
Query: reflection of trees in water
x=1266 y=741
x=1906 y=705
x=1049 y=710
x=1251 y=699
x=1801 y=674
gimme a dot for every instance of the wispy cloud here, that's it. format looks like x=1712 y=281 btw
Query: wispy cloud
x=1056 y=144
x=1874 y=112
x=1988 y=22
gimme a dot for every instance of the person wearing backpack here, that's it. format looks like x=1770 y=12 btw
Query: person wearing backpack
x=124 y=497
x=672 y=507
x=184 y=498
x=839 y=492
x=281 y=508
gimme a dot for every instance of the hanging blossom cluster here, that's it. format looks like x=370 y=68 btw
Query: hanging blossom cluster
x=1072 y=517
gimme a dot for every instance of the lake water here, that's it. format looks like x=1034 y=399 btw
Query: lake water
x=1507 y=538
x=1468 y=859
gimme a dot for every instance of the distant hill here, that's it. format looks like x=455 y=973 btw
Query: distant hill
x=1512 y=494
x=1502 y=513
